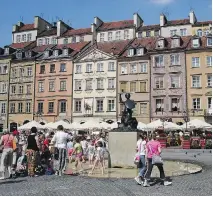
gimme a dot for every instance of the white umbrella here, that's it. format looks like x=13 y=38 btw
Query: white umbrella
x=48 y=125
x=90 y=124
x=31 y=124
x=141 y=126
x=105 y=125
x=171 y=126
x=76 y=125
x=198 y=124
x=60 y=122
x=114 y=125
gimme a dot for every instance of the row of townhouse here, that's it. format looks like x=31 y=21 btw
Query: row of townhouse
x=52 y=71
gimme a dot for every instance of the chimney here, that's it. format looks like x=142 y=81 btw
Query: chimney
x=20 y=24
x=192 y=17
x=61 y=27
x=36 y=22
x=98 y=22
x=163 y=20
x=137 y=20
x=15 y=28
x=94 y=33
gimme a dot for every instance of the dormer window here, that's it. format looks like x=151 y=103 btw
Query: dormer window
x=175 y=42
x=6 y=51
x=160 y=44
x=73 y=39
x=199 y=32
x=66 y=41
x=195 y=43
x=65 y=52
x=209 y=42
x=46 y=54
x=28 y=54
x=130 y=52
x=56 y=53
x=140 y=51
x=19 y=55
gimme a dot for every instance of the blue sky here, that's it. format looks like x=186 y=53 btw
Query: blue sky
x=80 y=13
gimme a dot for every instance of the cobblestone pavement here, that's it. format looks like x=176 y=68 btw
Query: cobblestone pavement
x=197 y=184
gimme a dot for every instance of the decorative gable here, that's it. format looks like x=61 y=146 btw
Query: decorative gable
x=95 y=55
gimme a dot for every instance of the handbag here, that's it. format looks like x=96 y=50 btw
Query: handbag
x=156 y=159
x=137 y=156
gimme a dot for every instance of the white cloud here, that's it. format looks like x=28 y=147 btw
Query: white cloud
x=162 y=2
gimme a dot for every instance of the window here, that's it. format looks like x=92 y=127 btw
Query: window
x=3 y=70
x=123 y=87
x=89 y=84
x=140 y=51
x=89 y=68
x=100 y=67
x=109 y=36
x=160 y=44
x=143 y=67
x=28 y=107
x=139 y=34
x=6 y=51
x=209 y=42
x=159 y=61
x=66 y=41
x=159 y=82
x=81 y=39
x=159 y=105
x=118 y=35
x=142 y=86
x=54 y=41
x=63 y=85
x=55 y=53
x=18 y=38
x=195 y=62
x=29 y=37
x=111 y=66
x=63 y=68
x=21 y=72
x=111 y=83
x=209 y=102
x=3 y=108
x=132 y=86
x=143 y=108
x=40 y=86
x=133 y=68
x=77 y=105
x=175 y=59
x=28 y=54
x=156 y=33
x=100 y=84
x=101 y=37
x=196 y=81
x=111 y=105
x=40 y=107
x=173 y=32
x=175 y=104
x=196 y=103
x=51 y=86
x=52 y=68
x=20 y=107
x=148 y=33
x=209 y=60
x=19 y=55
x=29 y=71
x=199 y=32
x=123 y=69
x=40 y=42
x=206 y=32
x=12 y=108
x=50 y=107
x=175 y=42
x=195 y=43
x=13 y=89
x=99 y=105
x=78 y=69
x=209 y=80
x=47 y=41
x=21 y=89
x=78 y=85
x=63 y=106
x=65 y=52
x=175 y=81
x=183 y=32
x=24 y=37
x=131 y=52
x=42 y=69
x=73 y=39
x=3 y=87
x=29 y=89
x=46 y=53
x=126 y=34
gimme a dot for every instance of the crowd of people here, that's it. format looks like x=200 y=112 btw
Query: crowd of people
x=33 y=153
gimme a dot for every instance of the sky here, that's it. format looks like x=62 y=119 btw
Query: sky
x=81 y=13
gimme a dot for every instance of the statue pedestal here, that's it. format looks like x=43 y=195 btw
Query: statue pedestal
x=122 y=147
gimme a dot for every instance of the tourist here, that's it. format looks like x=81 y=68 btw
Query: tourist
x=32 y=151
x=70 y=149
x=99 y=157
x=84 y=145
x=91 y=152
x=153 y=147
x=60 y=141
x=141 y=148
x=7 y=154
x=78 y=151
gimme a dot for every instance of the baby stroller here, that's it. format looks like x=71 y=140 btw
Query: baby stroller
x=21 y=169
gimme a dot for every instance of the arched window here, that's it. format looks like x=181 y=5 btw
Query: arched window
x=199 y=32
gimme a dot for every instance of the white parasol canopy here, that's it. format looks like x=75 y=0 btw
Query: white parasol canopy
x=31 y=124
x=198 y=124
x=48 y=125
x=141 y=126
x=114 y=125
x=76 y=125
x=60 y=122
x=91 y=124
x=105 y=125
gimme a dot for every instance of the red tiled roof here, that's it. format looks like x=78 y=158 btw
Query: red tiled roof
x=43 y=48
x=115 y=47
x=20 y=45
x=116 y=25
x=26 y=27
x=178 y=22
x=149 y=27
x=203 y=43
x=49 y=32
x=73 y=32
x=200 y=23
x=75 y=46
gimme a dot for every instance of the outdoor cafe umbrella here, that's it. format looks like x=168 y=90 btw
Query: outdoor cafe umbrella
x=60 y=122
x=196 y=124
x=141 y=126
x=31 y=124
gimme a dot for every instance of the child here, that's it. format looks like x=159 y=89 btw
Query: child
x=99 y=157
x=78 y=151
x=91 y=152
